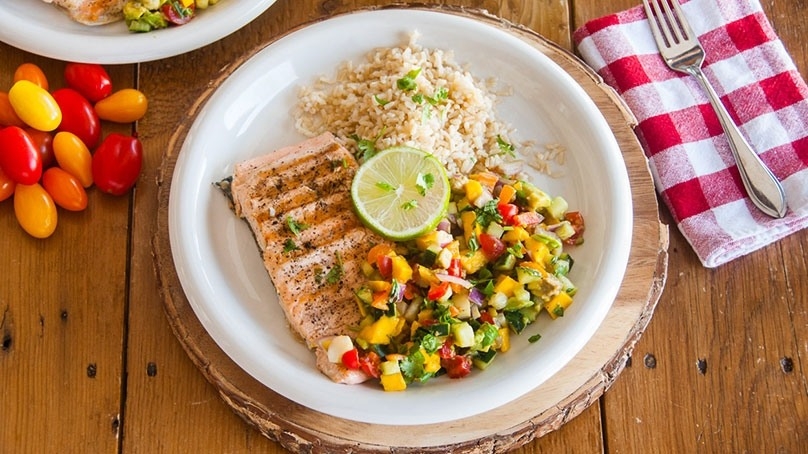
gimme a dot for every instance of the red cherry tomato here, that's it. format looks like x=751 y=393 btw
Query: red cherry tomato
x=116 y=163
x=91 y=80
x=8 y=117
x=385 y=265
x=492 y=246
x=44 y=143
x=31 y=72
x=577 y=221
x=176 y=13
x=78 y=116
x=65 y=189
x=35 y=210
x=350 y=359
x=6 y=186
x=19 y=156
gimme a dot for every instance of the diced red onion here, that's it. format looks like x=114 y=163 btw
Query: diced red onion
x=476 y=296
x=453 y=280
x=445 y=226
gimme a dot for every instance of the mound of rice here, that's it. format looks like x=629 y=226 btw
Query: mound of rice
x=365 y=102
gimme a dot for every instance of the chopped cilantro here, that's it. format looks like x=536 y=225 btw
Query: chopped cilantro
x=407 y=206
x=505 y=147
x=294 y=226
x=289 y=246
x=488 y=213
x=407 y=83
x=424 y=182
x=383 y=185
x=418 y=98
x=335 y=274
x=380 y=101
x=534 y=338
x=441 y=95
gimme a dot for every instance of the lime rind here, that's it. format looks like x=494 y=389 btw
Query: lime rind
x=386 y=197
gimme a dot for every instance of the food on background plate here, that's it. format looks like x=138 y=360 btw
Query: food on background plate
x=481 y=258
x=92 y=12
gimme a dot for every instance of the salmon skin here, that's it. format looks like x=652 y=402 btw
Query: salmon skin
x=297 y=202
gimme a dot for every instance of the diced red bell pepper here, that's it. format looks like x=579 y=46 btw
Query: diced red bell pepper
x=507 y=211
x=436 y=291
x=486 y=317
x=454 y=268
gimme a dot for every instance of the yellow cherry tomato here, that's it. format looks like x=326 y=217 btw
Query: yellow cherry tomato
x=73 y=157
x=32 y=72
x=123 y=106
x=34 y=105
x=35 y=210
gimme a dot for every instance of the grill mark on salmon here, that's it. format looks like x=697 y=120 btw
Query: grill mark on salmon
x=309 y=183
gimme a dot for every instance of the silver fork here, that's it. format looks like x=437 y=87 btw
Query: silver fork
x=681 y=50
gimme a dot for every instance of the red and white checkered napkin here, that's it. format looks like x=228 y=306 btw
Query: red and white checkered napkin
x=689 y=156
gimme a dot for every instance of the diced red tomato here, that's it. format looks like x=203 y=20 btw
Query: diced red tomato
x=492 y=246
x=527 y=219
x=437 y=291
x=369 y=363
x=176 y=13
x=507 y=211
x=447 y=351
x=350 y=359
x=457 y=366
x=577 y=221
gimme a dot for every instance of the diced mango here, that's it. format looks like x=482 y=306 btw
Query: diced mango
x=473 y=190
x=537 y=250
x=424 y=276
x=468 y=220
x=402 y=271
x=506 y=285
x=505 y=337
x=377 y=251
x=431 y=361
x=507 y=194
x=380 y=331
x=472 y=263
x=515 y=235
x=425 y=241
x=487 y=179
x=558 y=304
x=393 y=382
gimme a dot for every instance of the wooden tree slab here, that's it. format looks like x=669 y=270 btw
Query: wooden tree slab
x=565 y=395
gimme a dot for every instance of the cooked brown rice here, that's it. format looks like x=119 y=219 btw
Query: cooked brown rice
x=364 y=101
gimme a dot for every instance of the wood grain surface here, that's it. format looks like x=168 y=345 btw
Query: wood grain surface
x=89 y=362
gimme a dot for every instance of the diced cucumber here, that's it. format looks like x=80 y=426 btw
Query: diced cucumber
x=527 y=275
x=389 y=367
x=483 y=359
x=558 y=207
x=463 y=334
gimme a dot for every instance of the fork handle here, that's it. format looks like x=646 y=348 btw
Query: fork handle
x=762 y=186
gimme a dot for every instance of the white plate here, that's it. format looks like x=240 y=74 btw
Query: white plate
x=251 y=114
x=41 y=28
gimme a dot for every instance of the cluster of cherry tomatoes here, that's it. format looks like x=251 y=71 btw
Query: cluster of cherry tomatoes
x=51 y=144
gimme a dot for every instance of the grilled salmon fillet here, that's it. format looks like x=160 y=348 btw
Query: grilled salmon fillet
x=297 y=202
x=92 y=12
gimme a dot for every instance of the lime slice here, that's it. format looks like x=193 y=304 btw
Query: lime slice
x=401 y=193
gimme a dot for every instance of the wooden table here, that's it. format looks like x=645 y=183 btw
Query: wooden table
x=88 y=362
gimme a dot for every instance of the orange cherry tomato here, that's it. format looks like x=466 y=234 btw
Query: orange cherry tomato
x=65 y=189
x=73 y=157
x=33 y=73
x=6 y=186
x=35 y=210
x=7 y=115
x=34 y=105
x=123 y=106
